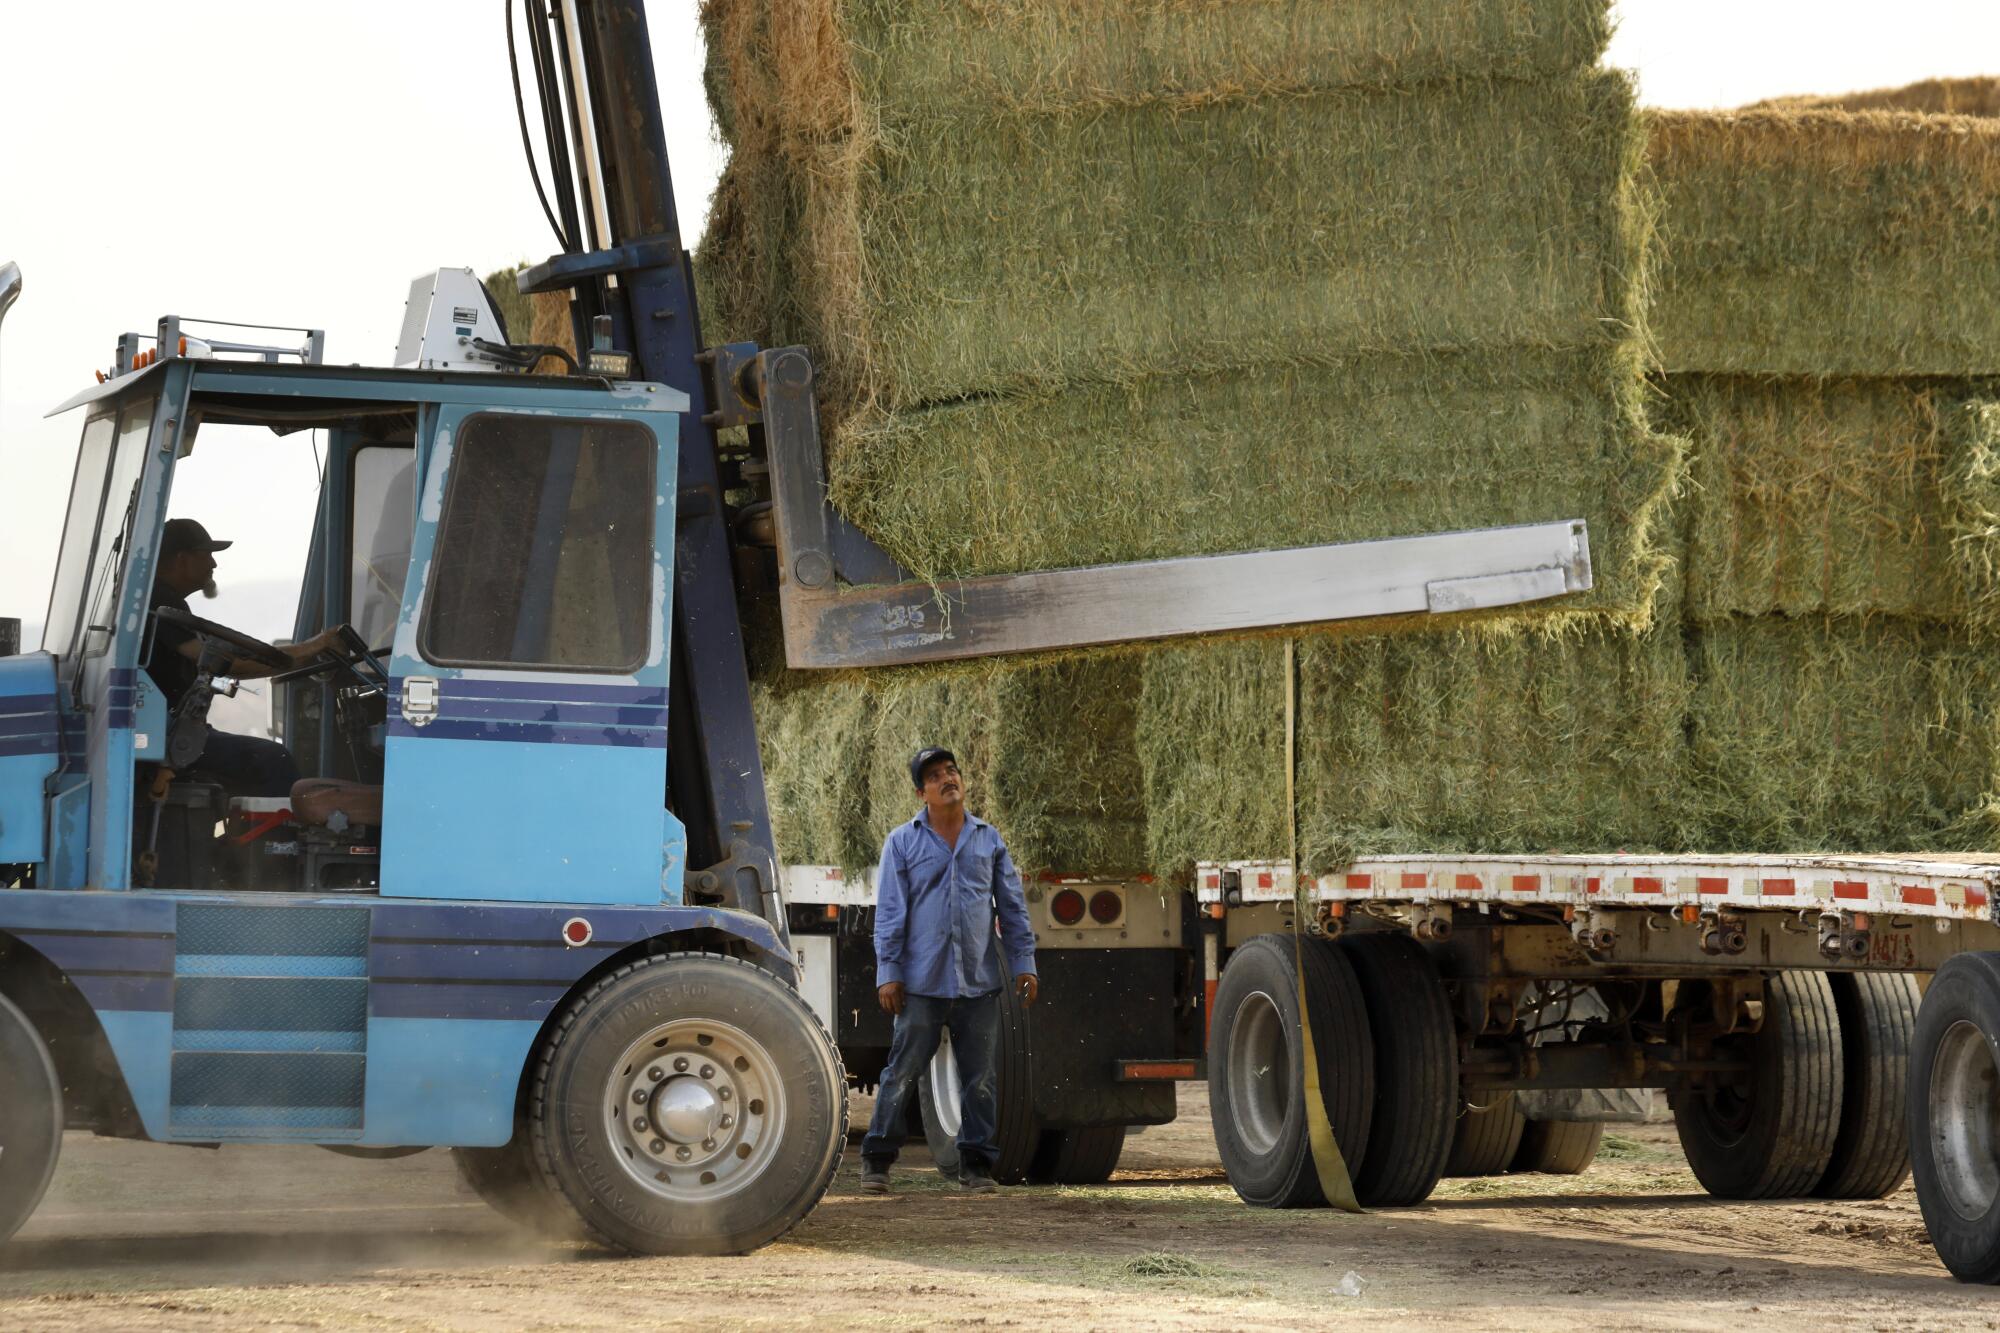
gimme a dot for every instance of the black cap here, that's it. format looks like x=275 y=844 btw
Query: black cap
x=927 y=756
x=184 y=534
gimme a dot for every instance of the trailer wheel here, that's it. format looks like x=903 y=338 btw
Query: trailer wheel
x=1017 y=1130
x=1416 y=1069
x=1558 y=1147
x=1871 y=1155
x=507 y=1179
x=1077 y=1156
x=1954 y=1115
x=688 y=1104
x=1486 y=1138
x=1256 y=1094
x=1771 y=1137
x=31 y=1118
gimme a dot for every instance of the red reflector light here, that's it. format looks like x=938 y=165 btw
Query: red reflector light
x=1067 y=907
x=1106 y=907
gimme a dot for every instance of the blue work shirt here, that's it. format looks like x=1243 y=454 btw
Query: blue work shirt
x=935 y=907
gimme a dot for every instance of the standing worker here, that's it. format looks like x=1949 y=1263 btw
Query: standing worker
x=944 y=878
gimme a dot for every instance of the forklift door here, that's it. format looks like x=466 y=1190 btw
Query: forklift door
x=527 y=748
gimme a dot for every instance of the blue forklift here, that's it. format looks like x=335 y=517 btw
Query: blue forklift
x=525 y=904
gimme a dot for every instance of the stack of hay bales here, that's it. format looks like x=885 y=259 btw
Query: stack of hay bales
x=1824 y=314
x=1090 y=281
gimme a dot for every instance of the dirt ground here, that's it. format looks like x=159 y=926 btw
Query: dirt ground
x=139 y=1235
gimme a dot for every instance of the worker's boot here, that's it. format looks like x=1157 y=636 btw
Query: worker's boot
x=874 y=1177
x=976 y=1180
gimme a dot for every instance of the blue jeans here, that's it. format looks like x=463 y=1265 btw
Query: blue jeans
x=975 y=1037
x=246 y=765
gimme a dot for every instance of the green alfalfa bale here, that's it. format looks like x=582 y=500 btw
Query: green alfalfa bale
x=971 y=255
x=1822 y=496
x=1270 y=456
x=816 y=737
x=828 y=68
x=1825 y=242
x=1836 y=734
x=1972 y=510
x=1499 y=737
x=1047 y=747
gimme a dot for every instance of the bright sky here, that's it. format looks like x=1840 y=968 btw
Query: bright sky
x=299 y=164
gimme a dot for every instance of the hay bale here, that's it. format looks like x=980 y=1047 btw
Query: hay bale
x=1267 y=456
x=1827 y=243
x=1495 y=739
x=1837 y=496
x=822 y=67
x=517 y=311
x=973 y=254
x=1836 y=734
x=1978 y=96
x=1047 y=748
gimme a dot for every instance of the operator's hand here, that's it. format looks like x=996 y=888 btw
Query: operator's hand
x=891 y=997
x=1029 y=985
x=318 y=645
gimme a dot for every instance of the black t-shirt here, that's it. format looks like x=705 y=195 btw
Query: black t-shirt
x=173 y=672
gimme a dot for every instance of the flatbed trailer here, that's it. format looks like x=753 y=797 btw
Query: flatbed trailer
x=1821 y=1024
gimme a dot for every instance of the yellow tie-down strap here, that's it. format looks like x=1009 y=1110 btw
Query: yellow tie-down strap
x=1331 y=1167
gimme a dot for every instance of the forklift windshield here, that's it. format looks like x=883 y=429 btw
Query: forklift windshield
x=104 y=496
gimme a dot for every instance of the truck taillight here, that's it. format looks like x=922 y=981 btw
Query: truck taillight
x=1106 y=906
x=1067 y=907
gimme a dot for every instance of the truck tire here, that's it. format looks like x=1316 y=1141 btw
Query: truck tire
x=1871 y=1153
x=1772 y=1137
x=1416 y=1070
x=1256 y=1096
x=31 y=1118
x=1017 y=1129
x=1558 y=1147
x=1954 y=1115
x=507 y=1179
x=1485 y=1139
x=688 y=1104
x=1077 y=1156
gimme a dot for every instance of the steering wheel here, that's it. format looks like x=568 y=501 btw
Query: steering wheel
x=352 y=652
x=238 y=643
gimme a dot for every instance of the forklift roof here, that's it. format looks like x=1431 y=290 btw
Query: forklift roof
x=246 y=392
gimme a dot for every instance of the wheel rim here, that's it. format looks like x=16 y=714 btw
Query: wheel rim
x=696 y=1110
x=945 y=1088
x=1965 y=1120
x=1260 y=1073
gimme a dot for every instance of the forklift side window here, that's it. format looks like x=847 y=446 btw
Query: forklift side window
x=379 y=548
x=86 y=499
x=544 y=552
x=121 y=507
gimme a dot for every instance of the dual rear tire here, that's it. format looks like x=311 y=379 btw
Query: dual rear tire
x=1387 y=1064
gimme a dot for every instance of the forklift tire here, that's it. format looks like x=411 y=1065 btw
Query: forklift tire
x=1871 y=1155
x=1772 y=1137
x=1954 y=1115
x=688 y=1103
x=1077 y=1156
x=1486 y=1138
x=1558 y=1147
x=31 y=1118
x=1018 y=1129
x=507 y=1179
x=1416 y=1069
x=1256 y=1052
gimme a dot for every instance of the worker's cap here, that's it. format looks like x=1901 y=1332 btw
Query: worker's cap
x=925 y=757
x=184 y=534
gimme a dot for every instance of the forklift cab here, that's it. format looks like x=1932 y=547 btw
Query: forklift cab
x=495 y=724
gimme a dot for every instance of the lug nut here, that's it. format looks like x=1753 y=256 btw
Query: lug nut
x=639 y=1124
x=639 y=1096
x=682 y=1152
x=727 y=1121
x=724 y=1093
x=680 y=1064
x=656 y=1073
x=708 y=1071
x=708 y=1145
x=658 y=1145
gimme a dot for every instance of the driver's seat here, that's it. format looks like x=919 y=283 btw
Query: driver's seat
x=317 y=800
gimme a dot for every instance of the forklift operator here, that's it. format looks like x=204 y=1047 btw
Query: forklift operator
x=243 y=765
